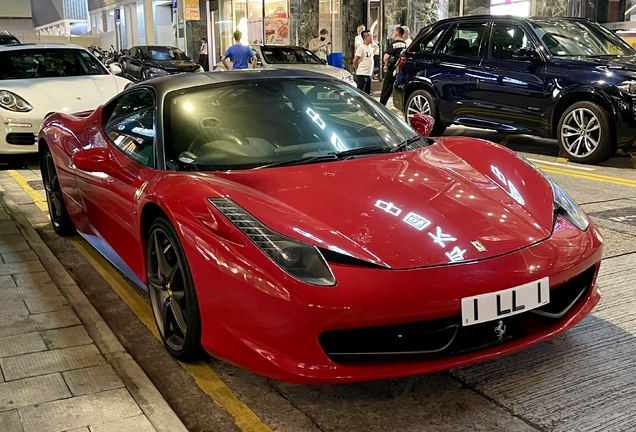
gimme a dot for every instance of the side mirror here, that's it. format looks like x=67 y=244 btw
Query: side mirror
x=423 y=124
x=525 y=54
x=93 y=160
x=323 y=61
x=259 y=63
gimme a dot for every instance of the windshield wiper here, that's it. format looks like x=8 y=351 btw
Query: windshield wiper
x=406 y=143
x=359 y=151
x=304 y=160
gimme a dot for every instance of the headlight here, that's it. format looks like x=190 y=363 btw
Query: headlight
x=563 y=204
x=199 y=69
x=157 y=71
x=628 y=87
x=304 y=262
x=13 y=102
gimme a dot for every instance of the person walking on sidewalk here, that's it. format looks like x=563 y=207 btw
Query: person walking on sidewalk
x=393 y=50
x=320 y=46
x=407 y=38
x=241 y=55
x=363 y=62
x=357 y=41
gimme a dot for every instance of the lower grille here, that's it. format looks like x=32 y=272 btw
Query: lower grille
x=438 y=339
x=21 y=138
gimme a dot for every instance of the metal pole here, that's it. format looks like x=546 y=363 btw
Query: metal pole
x=210 y=32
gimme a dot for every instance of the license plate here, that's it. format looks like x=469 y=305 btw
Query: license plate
x=327 y=96
x=501 y=304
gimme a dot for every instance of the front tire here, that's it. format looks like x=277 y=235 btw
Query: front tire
x=172 y=294
x=60 y=219
x=423 y=102
x=584 y=133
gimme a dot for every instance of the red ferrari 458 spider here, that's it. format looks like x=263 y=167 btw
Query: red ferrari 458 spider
x=287 y=223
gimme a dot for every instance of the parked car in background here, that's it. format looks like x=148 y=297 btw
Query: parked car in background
x=564 y=78
x=36 y=80
x=222 y=195
x=141 y=63
x=298 y=58
x=7 y=38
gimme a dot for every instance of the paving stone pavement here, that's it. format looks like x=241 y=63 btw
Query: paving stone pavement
x=55 y=373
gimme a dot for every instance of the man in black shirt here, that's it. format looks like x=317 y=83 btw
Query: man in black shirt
x=393 y=50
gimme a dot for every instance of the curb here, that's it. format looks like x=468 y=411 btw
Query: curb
x=143 y=391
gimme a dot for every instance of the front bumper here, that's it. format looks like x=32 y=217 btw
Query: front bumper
x=19 y=133
x=279 y=328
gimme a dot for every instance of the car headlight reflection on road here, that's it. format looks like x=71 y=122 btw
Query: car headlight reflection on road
x=13 y=102
x=302 y=261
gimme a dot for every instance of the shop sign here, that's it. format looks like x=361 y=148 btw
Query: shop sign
x=192 y=10
x=277 y=30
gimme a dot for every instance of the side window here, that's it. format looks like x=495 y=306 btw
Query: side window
x=130 y=127
x=465 y=41
x=506 y=39
x=428 y=42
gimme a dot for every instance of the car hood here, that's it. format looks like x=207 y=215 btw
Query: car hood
x=67 y=94
x=627 y=63
x=414 y=209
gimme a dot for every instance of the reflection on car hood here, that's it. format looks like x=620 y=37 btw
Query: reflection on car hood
x=173 y=65
x=67 y=94
x=413 y=209
x=611 y=62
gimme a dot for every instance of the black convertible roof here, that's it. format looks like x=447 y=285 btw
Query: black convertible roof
x=171 y=83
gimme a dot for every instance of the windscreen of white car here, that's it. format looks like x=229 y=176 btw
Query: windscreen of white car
x=47 y=63
x=575 y=38
x=287 y=55
x=276 y=122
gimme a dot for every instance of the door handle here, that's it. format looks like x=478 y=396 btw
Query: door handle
x=432 y=61
x=489 y=68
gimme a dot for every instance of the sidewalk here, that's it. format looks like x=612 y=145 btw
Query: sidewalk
x=61 y=367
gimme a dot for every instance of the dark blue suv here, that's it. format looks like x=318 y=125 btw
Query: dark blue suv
x=564 y=78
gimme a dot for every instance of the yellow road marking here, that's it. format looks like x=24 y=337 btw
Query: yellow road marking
x=507 y=139
x=588 y=176
x=203 y=375
x=35 y=195
x=561 y=159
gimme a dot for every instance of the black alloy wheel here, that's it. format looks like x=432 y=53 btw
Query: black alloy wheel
x=172 y=294
x=423 y=102
x=584 y=133
x=60 y=219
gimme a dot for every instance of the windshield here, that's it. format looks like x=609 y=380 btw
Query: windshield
x=49 y=62
x=252 y=124
x=286 y=55
x=166 y=53
x=572 y=38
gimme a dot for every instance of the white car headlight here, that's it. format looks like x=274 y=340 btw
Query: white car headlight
x=302 y=261
x=13 y=102
x=628 y=87
x=563 y=204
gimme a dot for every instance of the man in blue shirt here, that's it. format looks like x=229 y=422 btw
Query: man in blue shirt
x=240 y=54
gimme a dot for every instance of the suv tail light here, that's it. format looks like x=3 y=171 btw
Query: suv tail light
x=400 y=62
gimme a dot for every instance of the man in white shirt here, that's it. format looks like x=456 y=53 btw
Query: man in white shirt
x=203 y=54
x=363 y=62
x=357 y=41
x=407 y=38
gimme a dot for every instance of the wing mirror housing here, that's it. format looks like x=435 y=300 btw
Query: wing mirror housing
x=423 y=124
x=526 y=54
x=93 y=160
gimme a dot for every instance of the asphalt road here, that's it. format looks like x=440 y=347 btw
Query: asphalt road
x=584 y=380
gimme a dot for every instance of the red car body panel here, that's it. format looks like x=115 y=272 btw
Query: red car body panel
x=259 y=317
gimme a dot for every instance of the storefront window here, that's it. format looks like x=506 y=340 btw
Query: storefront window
x=276 y=22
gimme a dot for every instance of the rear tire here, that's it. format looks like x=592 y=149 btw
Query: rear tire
x=585 y=133
x=172 y=294
x=423 y=102
x=60 y=219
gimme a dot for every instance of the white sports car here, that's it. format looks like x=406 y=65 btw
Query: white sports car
x=36 y=80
